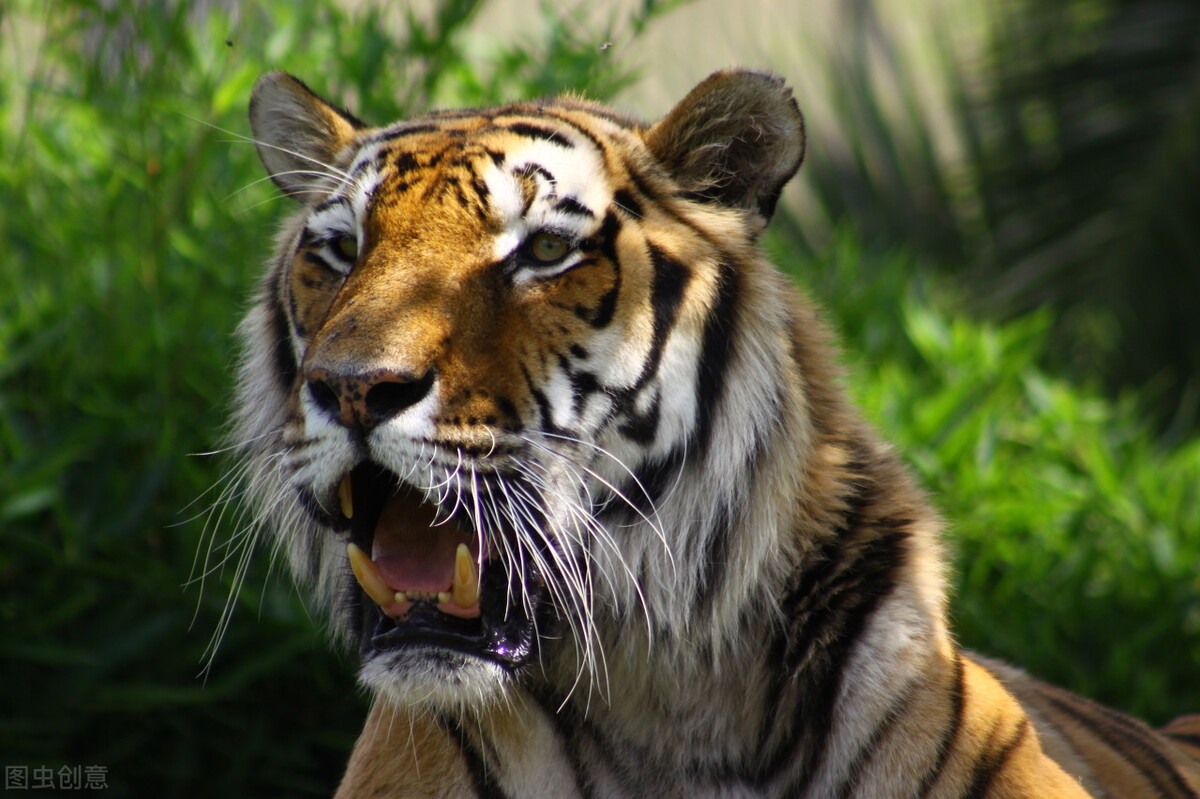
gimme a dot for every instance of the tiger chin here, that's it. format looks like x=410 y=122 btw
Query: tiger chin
x=573 y=469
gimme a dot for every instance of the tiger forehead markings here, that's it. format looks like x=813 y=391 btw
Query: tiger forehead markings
x=569 y=463
x=488 y=183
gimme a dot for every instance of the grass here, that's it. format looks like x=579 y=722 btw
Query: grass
x=134 y=226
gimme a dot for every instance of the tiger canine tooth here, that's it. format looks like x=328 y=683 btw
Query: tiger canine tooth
x=346 y=496
x=465 y=586
x=369 y=577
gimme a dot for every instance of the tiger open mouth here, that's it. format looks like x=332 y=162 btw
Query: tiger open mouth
x=430 y=579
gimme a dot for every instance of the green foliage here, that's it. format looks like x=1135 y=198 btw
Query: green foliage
x=1087 y=169
x=1059 y=171
x=134 y=219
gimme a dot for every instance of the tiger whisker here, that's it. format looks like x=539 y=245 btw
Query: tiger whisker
x=651 y=521
x=239 y=138
x=602 y=451
x=574 y=594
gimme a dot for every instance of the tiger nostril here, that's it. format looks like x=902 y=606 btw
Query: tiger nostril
x=368 y=399
x=387 y=398
x=325 y=396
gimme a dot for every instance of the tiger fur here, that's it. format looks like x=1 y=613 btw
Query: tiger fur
x=615 y=529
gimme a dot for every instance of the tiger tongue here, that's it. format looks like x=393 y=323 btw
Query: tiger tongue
x=412 y=553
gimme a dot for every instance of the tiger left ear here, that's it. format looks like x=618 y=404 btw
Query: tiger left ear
x=298 y=134
x=735 y=139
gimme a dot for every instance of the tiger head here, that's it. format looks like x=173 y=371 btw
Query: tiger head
x=514 y=379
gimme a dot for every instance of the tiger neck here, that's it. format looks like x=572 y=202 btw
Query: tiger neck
x=857 y=612
x=814 y=595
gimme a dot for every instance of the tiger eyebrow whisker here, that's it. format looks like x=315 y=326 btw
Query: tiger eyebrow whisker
x=269 y=178
x=243 y=139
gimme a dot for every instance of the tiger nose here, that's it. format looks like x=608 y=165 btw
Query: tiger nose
x=367 y=400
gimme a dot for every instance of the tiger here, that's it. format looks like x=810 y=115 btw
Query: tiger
x=572 y=466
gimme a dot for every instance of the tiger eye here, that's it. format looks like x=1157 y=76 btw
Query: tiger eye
x=347 y=247
x=548 y=247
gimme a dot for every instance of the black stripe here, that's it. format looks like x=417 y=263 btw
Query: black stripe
x=436 y=158
x=324 y=205
x=718 y=545
x=508 y=410
x=582 y=131
x=286 y=367
x=655 y=197
x=720 y=330
x=481 y=189
x=992 y=763
x=543 y=404
x=567 y=724
x=946 y=745
x=871 y=580
x=652 y=196
x=583 y=384
x=403 y=163
x=1185 y=737
x=311 y=507
x=461 y=196
x=668 y=283
x=666 y=293
x=538 y=132
x=646 y=487
x=569 y=205
x=411 y=130
x=829 y=608
x=531 y=169
x=642 y=428
x=317 y=259
x=625 y=201
x=867 y=751
x=639 y=182
x=607 y=114
x=464 y=113
x=1136 y=745
x=604 y=241
x=485 y=785
x=607 y=305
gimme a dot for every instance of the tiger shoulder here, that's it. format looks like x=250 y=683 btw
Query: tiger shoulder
x=571 y=467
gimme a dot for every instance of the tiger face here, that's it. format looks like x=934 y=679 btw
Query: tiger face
x=480 y=386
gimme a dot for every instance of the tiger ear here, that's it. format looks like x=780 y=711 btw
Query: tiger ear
x=735 y=139
x=298 y=134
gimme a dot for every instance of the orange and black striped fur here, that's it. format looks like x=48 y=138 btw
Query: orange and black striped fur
x=574 y=470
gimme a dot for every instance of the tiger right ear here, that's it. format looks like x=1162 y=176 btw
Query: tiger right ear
x=735 y=140
x=298 y=134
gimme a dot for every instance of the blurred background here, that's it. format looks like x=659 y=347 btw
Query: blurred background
x=999 y=210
